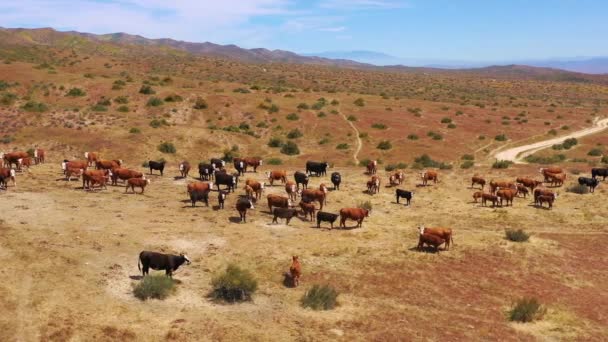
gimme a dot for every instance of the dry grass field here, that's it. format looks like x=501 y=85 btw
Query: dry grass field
x=70 y=256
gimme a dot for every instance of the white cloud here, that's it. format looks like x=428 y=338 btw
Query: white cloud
x=320 y=23
x=363 y=4
x=333 y=29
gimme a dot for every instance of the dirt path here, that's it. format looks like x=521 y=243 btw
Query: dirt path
x=359 y=142
x=517 y=154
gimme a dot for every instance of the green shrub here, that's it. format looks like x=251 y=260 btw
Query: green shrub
x=229 y=155
x=379 y=126
x=556 y=158
x=156 y=123
x=335 y=102
x=526 y=310
x=604 y=159
x=292 y=117
x=467 y=164
x=363 y=135
x=342 y=146
x=167 y=147
x=123 y=109
x=467 y=157
x=552 y=132
x=500 y=137
x=234 y=285
x=518 y=235
x=434 y=135
x=303 y=106
x=320 y=298
x=36 y=107
x=321 y=115
x=146 y=90
x=154 y=102
x=174 y=98
x=446 y=120
x=384 y=145
x=275 y=142
x=393 y=167
x=261 y=124
x=351 y=118
x=412 y=137
x=451 y=126
x=135 y=130
x=121 y=100
x=75 y=92
x=426 y=161
x=359 y=102
x=290 y=148
x=7 y=139
x=502 y=164
x=595 y=152
x=294 y=134
x=8 y=99
x=154 y=286
x=580 y=189
x=324 y=141
x=242 y=90
x=200 y=103
x=273 y=108
x=365 y=205
x=274 y=161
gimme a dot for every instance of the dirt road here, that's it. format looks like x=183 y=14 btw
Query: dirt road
x=359 y=142
x=517 y=154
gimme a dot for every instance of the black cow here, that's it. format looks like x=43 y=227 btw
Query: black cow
x=225 y=179
x=285 y=213
x=596 y=172
x=319 y=169
x=159 y=261
x=590 y=182
x=206 y=171
x=240 y=165
x=326 y=217
x=242 y=205
x=154 y=165
x=336 y=179
x=199 y=196
x=221 y=197
x=218 y=163
x=301 y=178
x=404 y=194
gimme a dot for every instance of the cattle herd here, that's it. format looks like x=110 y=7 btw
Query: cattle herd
x=96 y=173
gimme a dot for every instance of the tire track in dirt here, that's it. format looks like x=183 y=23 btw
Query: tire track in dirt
x=359 y=142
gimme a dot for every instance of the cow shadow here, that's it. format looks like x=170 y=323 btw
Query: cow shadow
x=136 y=277
x=426 y=249
x=179 y=178
x=288 y=280
x=422 y=185
x=539 y=207
x=235 y=219
x=216 y=207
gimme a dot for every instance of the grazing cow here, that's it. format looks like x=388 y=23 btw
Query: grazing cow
x=356 y=214
x=257 y=187
x=240 y=166
x=13 y=158
x=596 y=172
x=320 y=196
x=95 y=177
x=74 y=164
x=124 y=174
x=154 y=165
x=592 y=183
x=543 y=192
x=278 y=201
x=291 y=190
x=276 y=175
x=319 y=169
x=92 y=157
x=39 y=156
x=478 y=180
x=477 y=195
x=494 y=185
x=301 y=178
x=429 y=175
x=199 y=186
x=25 y=163
x=507 y=195
x=249 y=191
x=225 y=179
x=242 y=205
x=444 y=233
x=159 y=261
x=253 y=162
x=217 y=164
x=373 y=185
x=5 y=174
x=326 y=217
x=184 y=169
x=206 y=171
x=295 y=270
x=529 y=183
x=522 y=189
x=489 y=197
x=285 y=213
x=372 y=167
x=199 y=196
x=550 y=169
x=336 y=179
x=108 y=164
x=221 y=198
x=69 y=173
x=549 y=199
x=137 y=182
x=556 y=179
x=429 y=240
x=404 y=194
x=307 y=209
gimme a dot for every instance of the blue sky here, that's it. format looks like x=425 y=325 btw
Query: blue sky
x=480 y=30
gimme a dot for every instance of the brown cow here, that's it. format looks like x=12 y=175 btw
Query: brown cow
x=430 y=240
x=308 y=209
x=543 y=192
x=199 y=186
x=13 y=158
x=356 y=214
x=95 y=177
x=276 y=175
x=74 y=164
x=108 y=164
x=477 y=195
x=124 y=175
x=257 y=187
x=92 y=157
x=478 y=180
x=320 y=196
x=6 y=173
x=507 y=195
x=522 y=189
x=253 y=162
x=278 y=201
x=372 y=167
x=184 y=168
x=25 y=163
x=429 y=175
x=373 y=185
x=295 y=270
x=39 y=156
x=529 y=182
x=292 y=190
x=137 y=182
x=549 y=199
x=550 y=169
x=489 y=197
x=556 y=179
x=249 y=192
x=396 y=178
x=494 y=185
x=70 y=172
x=442 y=232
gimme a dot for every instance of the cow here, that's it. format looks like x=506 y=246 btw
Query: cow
x=108 y=164
x=442 y=232
x=522 y=189
x=556 y=179
x=323 y=216
x=507 y=195
x=276 y=175
x=399 y=193
x=320 y=196
x=92 y=177
x=373 y=185
x=249 y=192
x=494 y=185
x=278 y=201
x=257 y=187
x=477 y=195
x=24 y=163
x=253 y=162
x=199 y=186
x=154 y=165
x=543 y=192
x=74 y=164
x=221 y=198
x=39 y=156
x=489 y=197
x=318 y=168
x=307 y=209
x=550 y=169
x=429 y=240
x=372 y=167
x=184 y=169
x=159 y=261
x=217 y=163
x=5 y=174
x=69 y=173
x=124 y=174
x=225 y=179
x=301 y=178
x=285 y=213
x=92 y=157
x=549 y=199
x=291 y=190
x=13 y=158
x=529 y=183
x=199 y=195
x=429 y=175
x=356 y=214
x=592 y=183
x=336 y=179
x=242 y=205
x=206 y=171
x=478 y=180
x=596 y=172
x=240 y=166
x=295 y=270
x=137 y=182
